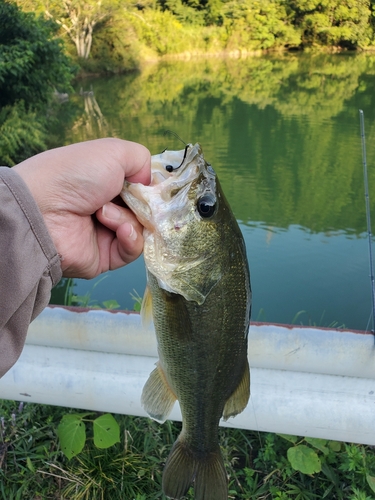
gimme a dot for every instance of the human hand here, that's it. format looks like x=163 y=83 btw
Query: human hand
x=74 y=187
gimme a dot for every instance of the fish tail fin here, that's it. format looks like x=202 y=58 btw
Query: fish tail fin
x=179 y=470
x=184 y=468
x=211 y=482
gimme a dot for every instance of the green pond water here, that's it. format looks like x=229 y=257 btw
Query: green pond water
x=283 y=135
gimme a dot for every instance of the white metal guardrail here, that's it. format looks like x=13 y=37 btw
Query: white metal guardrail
x=306 y=381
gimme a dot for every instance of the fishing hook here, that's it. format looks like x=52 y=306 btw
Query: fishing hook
x=171 y=168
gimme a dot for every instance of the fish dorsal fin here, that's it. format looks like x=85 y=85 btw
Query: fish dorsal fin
x=146 y=308
x=240 y=397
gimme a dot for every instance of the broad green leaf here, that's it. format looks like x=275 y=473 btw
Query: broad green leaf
x=304 y=459
x=106 y=431
x=72 y=435
x=137 y=307
x=319 y=444
x=111 y=304
x=371 y=481
x=289 y=437
x=334 y=445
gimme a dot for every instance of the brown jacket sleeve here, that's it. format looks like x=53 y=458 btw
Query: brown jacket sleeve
x=29 y=265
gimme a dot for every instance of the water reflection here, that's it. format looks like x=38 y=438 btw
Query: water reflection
x=283 y=135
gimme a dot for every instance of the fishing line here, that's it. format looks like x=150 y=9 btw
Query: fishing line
x=368 y=217
x=176 y=135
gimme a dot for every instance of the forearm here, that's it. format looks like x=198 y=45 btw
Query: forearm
x=29 y=265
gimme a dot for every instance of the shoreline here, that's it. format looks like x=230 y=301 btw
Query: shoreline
x=236 y=54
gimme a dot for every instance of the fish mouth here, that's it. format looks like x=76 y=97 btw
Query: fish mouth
x=173 y=173
x=172 y=165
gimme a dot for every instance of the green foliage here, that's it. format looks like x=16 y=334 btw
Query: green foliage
x=32 y=66
x=22 y=134
x=69 y=298
x=72 y=432
x=137 y=301
x=32 y=62
x=304 y=459
x=316 y=468
x=32 y=464
x=162 y=32
x=27 y=444
x=333 y=22
x=254 y=24
x=80 y=19
x=106 y=431
x=115 y=47
x=112 y=36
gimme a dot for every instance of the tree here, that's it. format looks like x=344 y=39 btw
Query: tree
x=258 y=24
x=78 y=19
x=333 y=22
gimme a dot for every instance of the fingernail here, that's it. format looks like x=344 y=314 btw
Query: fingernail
x=111 y=212
x=132 y=232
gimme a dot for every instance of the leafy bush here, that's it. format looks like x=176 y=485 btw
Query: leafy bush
x=32 y=67
x=252 y=24
x=161 y=31
x=333 y=22
x=32 y=60
x=22 y=134
x=115 y=48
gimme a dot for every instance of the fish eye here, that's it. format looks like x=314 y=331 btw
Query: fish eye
x=206 y=206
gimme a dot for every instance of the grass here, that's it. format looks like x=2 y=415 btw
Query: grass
x=33 y=467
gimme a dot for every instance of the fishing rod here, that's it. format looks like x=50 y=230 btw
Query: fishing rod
x=368 y=217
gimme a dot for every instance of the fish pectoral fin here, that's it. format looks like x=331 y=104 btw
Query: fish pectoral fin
x=157 y=396
x=146 y=308
x=238 y=400
x=206 y=472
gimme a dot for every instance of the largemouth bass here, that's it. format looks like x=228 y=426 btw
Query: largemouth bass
x=199 y=293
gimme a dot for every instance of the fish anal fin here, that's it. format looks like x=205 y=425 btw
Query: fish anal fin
x=158 y=398
x=146 y=308
x=205 y=472
x=238 y=400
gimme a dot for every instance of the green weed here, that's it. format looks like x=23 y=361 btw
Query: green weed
x=32 y=465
